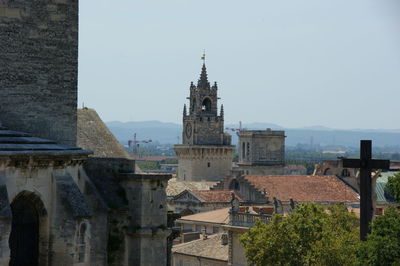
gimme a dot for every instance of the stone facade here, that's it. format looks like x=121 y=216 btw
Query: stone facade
x=38 y=77
x=60 y=204
x=206 y=152
x=262 y=152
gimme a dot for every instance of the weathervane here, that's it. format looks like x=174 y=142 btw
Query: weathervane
x=204 y=57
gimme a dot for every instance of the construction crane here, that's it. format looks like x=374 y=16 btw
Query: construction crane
x=237 y=130
x=134 y=144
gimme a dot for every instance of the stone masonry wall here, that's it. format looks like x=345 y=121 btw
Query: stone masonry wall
x=39 y=67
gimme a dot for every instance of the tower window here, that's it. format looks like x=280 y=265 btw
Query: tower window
x=243 y=150
x=208 y=164
x=206 y=105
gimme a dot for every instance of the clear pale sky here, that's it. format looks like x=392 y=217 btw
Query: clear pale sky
x=294 y=63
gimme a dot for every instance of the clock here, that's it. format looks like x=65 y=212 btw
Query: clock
x=188 y=130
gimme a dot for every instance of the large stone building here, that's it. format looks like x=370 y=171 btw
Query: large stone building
x=206 y=151
x=60 y=204
x=262 y=152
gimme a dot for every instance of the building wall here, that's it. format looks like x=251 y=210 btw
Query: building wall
x=37 y=181
x=262 y=170
x=203 y=163
x=39 y=59
x=237 y=256
x=262 y=147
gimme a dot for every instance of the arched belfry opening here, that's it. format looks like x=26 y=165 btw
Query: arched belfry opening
x=27 y=210
x=206 y=105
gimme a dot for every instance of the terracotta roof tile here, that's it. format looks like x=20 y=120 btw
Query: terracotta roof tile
x=216 y=195
x=304 y=188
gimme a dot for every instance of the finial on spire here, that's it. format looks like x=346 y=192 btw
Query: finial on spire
x=222 y=111
x=203 y=81
x=184 y=110
x=204 y=57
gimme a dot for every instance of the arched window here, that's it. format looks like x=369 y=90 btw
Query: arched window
x=328 y=171
x=193 y=105
x=234 y=185
x=82 y=242
x=206 y=105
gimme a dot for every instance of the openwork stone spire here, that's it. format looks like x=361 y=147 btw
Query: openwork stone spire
x=203 y=81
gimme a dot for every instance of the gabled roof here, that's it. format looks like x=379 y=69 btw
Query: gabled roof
x=304 y=188
x=210 y=248
x=94 y=135
x=220 y=216
x=20 y=143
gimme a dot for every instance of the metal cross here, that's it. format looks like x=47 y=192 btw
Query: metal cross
x=366 y=164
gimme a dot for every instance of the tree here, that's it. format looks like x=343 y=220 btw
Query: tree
x=393 y=186
x=383 y=244
x=308 y=236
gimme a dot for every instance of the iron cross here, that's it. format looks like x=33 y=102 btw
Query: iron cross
x=366 y=164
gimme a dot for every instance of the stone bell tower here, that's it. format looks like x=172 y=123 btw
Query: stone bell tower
x=206 y=150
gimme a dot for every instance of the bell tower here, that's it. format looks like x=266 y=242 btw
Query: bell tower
x=206 y=151
x=202 y=124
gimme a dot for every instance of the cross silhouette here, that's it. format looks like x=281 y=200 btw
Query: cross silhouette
x=366 y=164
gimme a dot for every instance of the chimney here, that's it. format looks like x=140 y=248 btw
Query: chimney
x=204 y=234
x=224 y=239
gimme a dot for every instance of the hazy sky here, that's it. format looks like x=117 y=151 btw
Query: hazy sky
x=294 y=63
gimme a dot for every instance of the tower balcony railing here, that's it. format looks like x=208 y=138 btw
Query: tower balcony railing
x=247 y=219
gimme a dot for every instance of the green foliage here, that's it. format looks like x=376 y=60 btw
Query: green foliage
x=309 y=236
x=383 y=244
x=149 y=165
x=393 y=186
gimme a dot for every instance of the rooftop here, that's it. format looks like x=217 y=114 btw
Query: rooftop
x=94 y=135
x=20 y=143
x=304 y=188
x=220 y=216
x=216 y=195
x=175 y=186
x=210 y=248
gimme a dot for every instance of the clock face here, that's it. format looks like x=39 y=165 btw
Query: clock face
x=188 y=130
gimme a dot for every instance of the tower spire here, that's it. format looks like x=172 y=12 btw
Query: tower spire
x=203 y=81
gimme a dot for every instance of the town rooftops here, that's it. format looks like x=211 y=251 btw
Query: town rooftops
x=216 y=195
x=14 y=143
x=209 y=248
x=303 y=188
x=220 y=216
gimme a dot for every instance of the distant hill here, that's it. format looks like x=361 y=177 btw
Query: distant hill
x=171 y=133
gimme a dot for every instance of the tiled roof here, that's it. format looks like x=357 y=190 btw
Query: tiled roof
x=175 y=186
x=94 y=135
x=20 y=143
x=210 y=248
x=220 y=216
x=216 y=195
x=304 y=188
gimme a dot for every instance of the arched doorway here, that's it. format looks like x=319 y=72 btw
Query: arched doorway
x=24 y=237
x=206 y=105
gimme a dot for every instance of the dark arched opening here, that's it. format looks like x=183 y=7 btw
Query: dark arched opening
x=234 y=185
x=24 y=237
x=206 y=105
x=28 y=240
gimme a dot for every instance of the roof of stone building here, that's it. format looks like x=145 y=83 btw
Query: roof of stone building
x=175 y=186
x=20 y=143
x=210 y=248
x=216 y=195
x=94 y=135
x=304 y=188
x=220 y=216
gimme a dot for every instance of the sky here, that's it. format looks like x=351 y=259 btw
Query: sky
x=292 y=63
